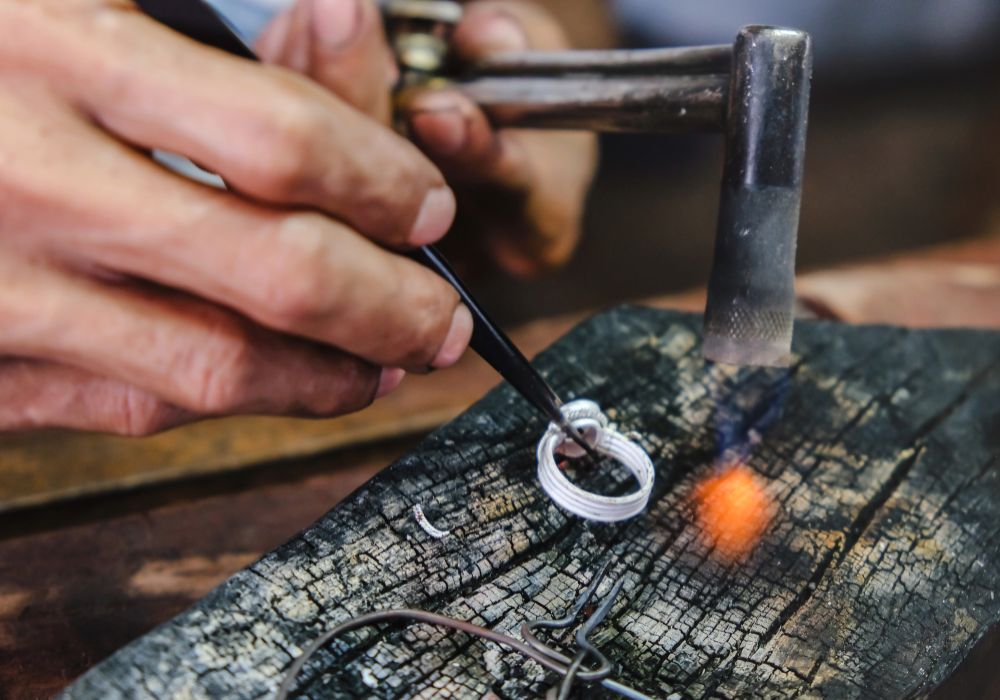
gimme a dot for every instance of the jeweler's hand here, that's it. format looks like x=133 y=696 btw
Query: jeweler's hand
x=521 y=193
x=132 y=299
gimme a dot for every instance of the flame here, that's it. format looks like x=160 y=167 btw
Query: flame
x=732 y=511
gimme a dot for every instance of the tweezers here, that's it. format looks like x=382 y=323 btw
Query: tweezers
x=199 y=21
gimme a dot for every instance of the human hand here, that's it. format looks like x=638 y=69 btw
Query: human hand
x=133 y=299
x=520 y=193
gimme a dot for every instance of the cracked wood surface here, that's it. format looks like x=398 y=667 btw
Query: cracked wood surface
x=874 y=578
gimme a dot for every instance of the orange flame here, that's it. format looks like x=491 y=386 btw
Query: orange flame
x=732 y=511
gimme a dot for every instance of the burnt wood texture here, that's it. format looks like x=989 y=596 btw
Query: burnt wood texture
x=874 y=578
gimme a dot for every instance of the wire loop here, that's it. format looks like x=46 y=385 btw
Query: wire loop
x=588 y=418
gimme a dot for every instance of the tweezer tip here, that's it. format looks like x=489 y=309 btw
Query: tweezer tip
x=574 y=434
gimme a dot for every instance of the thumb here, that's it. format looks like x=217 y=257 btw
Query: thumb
x=339 y=44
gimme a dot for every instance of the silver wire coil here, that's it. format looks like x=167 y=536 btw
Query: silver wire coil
x=586 y=416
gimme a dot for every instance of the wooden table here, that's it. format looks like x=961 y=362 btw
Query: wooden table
x=80 y=578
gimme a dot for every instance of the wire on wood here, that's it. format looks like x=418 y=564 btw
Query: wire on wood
x=572 y=669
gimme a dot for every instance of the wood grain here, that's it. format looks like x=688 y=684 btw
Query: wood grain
x=875 y=576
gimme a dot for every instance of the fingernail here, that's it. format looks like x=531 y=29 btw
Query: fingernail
x=337 y=21
x=435 y=217
x=459 y=335
x=390 y=379
x=503 y=33
x=440 y=129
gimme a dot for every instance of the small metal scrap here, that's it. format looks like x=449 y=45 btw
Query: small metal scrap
x=423 y=522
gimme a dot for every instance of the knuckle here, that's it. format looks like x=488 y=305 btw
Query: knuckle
x=431 y=307
x=289 y=140
x=224 y=387
x=387 y=206
x=351 y=387
x=220 y=374
x=140 y=414
x=550 y=249
x=112 y=18
x=297 y=283
x=359 y=382
x=113 y=31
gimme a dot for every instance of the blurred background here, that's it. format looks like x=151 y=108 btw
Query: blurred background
x=903 y=146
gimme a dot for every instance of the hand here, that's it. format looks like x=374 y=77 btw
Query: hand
x=520 y=193
x=132 y=299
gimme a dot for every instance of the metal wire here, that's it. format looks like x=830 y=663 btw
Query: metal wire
x=582 y=639
x=603 y=669
x=410 y=615
x=566 y=687
x=582 y=634
x=571 y=670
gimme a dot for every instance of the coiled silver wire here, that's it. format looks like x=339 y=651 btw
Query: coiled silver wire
x=588 y=418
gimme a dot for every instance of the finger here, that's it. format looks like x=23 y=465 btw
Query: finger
x=271 y=44
x=193 y=355
x=450 y=126
x=341 y=45
x=495 y=26
x=35 y=394
x=458 y=134
x=297 y=272
x=543 y=178
x=451 y=129
x=543 y=175
x=271 y=134
x=281 y=41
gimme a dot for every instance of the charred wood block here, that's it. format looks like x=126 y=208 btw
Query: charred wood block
x=874 y=574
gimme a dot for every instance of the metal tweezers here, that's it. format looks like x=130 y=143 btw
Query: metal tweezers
x=572 y=669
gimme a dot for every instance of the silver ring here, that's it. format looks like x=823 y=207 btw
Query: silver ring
x=587 y=417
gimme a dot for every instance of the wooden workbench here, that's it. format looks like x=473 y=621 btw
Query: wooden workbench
x=871 y=463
